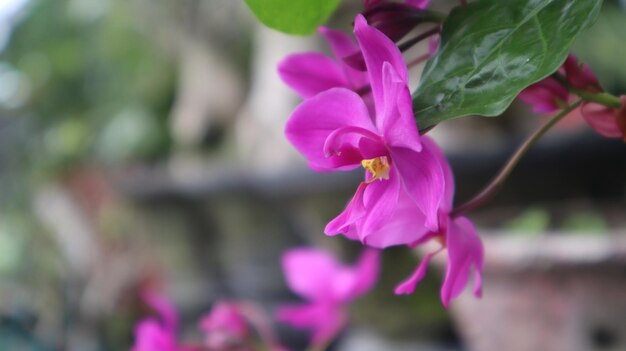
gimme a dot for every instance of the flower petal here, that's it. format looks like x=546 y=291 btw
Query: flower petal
x=424 y=179
x=397 y=120
x=311 y=73
x=407 y=286
x=372 y=148
x=433 y=45
x=343 y=46
x=224 y=324
x=621 y=117
x=163 y=307
x=420 y=4
x=323 y=320
x=380 y=199
x=393 y=19
x=580 y=76
x=465 y=250
x=307 y=271
x=404 y=226
x=448 y=192
x=344 y=223
x=545 y=96
x=356 y=281
x=150 y=335
x=602 y=119
x=368 y=4
x=316 y=118
x=344 y=137
x=377 y=49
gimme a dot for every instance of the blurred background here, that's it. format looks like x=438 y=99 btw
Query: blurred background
x=141 y=144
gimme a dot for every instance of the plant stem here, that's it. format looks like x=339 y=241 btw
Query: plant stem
x=602 y=98
x=420 y=59
x=409 y=43
x=496 y=183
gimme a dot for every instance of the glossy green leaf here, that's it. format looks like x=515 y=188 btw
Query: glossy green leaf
x=493 y=49
x=293 y=16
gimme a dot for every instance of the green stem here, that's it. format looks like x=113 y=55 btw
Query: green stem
x=602 y=98
x=496 y=183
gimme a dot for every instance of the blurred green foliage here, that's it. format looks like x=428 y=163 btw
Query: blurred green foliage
x=534 y=220
x=81 y=83
x=603 y=47
x=586 y=223
x=98 y=87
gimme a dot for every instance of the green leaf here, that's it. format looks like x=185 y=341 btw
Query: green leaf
x=493 y=49
x=293 y=16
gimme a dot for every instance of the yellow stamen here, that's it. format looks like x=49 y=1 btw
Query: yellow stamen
x=378 y=167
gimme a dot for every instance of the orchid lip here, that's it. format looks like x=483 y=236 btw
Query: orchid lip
x=334 y=139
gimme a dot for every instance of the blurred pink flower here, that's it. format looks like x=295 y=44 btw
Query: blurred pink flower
x=225 y=327
x=459 y=236
x=404 y=183
x=160 y=333
x=312 y=73
x=328 y=286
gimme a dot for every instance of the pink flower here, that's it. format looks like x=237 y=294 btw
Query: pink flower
x=225 y=327
x=328 y=286
x=228 y=327
x=395 y=20
x=404 y=183
x=545 y=96
x=159 y=334
x=608 y=122
x=549 y=95
x=580 y=76
x=456 y=234
x=312 y=73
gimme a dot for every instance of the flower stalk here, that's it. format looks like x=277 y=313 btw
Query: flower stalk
x=409 y=43
x=496 y=183
x=602 y=98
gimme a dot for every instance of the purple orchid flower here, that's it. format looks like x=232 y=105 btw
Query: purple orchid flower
x=312 y=73
x=456 y=234
x=403 y=178
x=328 y=286
x=406 y=196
